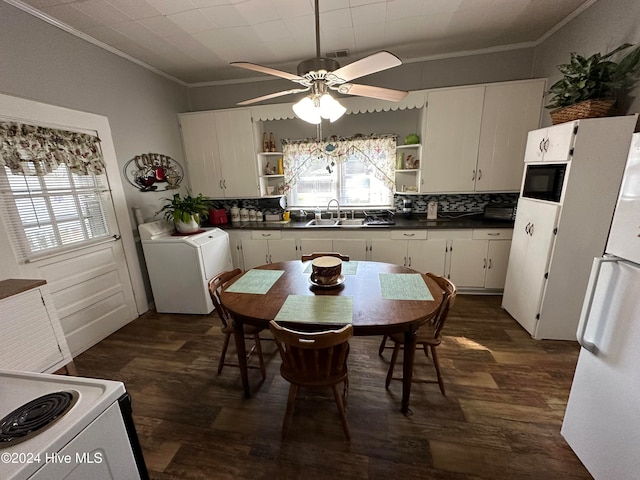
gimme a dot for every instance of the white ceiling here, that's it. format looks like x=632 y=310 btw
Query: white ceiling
x=194 y=41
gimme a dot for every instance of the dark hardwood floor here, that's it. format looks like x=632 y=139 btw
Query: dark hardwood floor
x=500 y=419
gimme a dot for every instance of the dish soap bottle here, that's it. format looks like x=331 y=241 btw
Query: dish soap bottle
x=318 y=213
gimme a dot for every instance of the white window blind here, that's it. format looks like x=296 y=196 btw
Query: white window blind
x=54 y=212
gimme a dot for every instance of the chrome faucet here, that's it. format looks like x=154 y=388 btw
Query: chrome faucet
x=337 y=203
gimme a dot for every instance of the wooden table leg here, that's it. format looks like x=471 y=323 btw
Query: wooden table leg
x=407 y=368
x=238 y=332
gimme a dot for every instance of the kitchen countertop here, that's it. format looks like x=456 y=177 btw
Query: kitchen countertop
x=14 y=286
x=415 y=221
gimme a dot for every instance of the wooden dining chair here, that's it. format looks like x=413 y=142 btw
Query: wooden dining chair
x=216 y=285
x=311 y=256
x=429 y=334
x=314 y=360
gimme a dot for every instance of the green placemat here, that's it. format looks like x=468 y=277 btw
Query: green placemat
x=256 y=281
x=404 y=286
x=348 y=268
x=333 y=310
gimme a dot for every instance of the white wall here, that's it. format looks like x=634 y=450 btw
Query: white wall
x=41 y=62
x=600 y=28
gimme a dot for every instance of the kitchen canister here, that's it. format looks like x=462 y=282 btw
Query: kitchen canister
x=258 y=215
x=252 y=215
x=235 y=214
x=244 y=215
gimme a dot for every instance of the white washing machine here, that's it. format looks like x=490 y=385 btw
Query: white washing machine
x=54 y=427
x=180 y=266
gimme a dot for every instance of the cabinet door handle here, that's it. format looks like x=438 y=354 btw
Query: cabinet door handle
x=409 y=234
x=494 y=234
x=479 y=174
x=526 y=228
x=485 y=263
x=531 y=230
x=405 y=262
x=409 y=262
x=473 y=176
x=489 y=264
x=221 y=187
x=266 y=258
x=265 y=234
x=546 y=145
x=541 y=145
x=224 y=183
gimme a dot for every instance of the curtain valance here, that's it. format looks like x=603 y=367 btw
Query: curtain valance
x=34 y=150
x=375 y=151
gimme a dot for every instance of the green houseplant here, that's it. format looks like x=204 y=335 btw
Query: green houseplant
x=591 y=85
x=186 y=212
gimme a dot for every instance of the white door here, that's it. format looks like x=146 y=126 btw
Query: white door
x=468 y=262
x=509 y=112
x=313 y=245
x=624 y=238
x=559 y=143
x=356 y=249
x=282 y=250
x=237 y=153
x=452 y=135
x=427 y=255
x=389 y=251
x=602 y=419
x=201 y=151
x=92 y=288
x=533 y=236
x=254 y=252
x=498 y=259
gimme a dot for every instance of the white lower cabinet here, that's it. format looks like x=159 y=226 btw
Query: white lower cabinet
x=267 y=246
x=473 y=259
x=479 y=263
x=411 y=248
x=312 y=245
x=356 y=248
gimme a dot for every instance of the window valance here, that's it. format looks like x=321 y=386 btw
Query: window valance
x=34 y=150
x=377 y=152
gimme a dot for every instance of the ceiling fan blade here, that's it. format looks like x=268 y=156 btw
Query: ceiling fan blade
x=273 y=95
x=270 y=71
x=372 y=92
x=368 y=65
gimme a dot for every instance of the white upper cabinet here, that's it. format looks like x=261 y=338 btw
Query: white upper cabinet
x=451 y=139
x=510 y=111
x=552 y=144
x=475 y=137
x=220 y=152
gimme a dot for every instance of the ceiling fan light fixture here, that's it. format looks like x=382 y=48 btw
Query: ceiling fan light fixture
x=313 y=108
x=306 y=110
x=330 y=108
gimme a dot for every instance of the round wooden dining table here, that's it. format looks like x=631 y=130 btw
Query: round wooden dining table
x=371 y=315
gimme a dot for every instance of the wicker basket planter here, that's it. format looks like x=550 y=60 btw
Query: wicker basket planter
x=586 y=109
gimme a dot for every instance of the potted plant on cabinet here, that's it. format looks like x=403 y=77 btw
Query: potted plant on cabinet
x=590 y=86
x=186 y=212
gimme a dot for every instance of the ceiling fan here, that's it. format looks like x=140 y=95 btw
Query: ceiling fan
x=321 y=74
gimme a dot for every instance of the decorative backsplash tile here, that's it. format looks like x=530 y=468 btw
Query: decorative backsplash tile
x=449 y=203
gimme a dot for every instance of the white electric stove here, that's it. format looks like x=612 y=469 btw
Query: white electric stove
x=57 y=427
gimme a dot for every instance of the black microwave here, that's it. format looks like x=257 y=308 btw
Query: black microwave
x=544 y=182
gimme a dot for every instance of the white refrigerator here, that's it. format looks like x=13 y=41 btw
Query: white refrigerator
x=602 y=420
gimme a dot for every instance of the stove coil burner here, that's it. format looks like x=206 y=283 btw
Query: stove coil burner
x=32 y=417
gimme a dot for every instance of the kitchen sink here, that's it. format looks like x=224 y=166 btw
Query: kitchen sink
x=325 y=222
x=334 y=222
x=354 y=222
